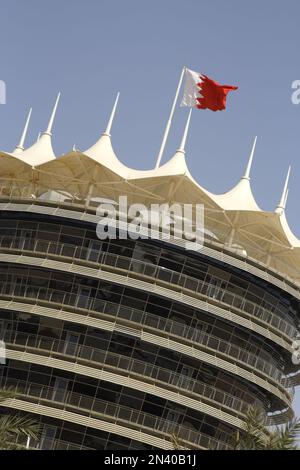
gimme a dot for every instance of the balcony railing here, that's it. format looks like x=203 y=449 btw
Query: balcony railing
x=207 y=289
x=236 y=353
x=118 y=413
x=52 y=444
x=135 y=366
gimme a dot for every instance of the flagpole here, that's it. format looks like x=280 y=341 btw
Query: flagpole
x=163 y=144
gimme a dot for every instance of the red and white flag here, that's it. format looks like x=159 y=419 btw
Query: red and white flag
x=204 y=93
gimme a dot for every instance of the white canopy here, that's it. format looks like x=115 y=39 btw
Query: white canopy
x=233 y=218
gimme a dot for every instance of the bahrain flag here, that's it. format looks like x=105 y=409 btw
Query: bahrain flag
x=204 y=93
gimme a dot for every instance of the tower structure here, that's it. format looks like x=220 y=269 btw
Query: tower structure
x=119 y=343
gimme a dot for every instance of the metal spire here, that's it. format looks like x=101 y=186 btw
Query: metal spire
x=110 y=122
x=20 y=145
x=284 y=195
x=248 y=169
x=186 y=129
x=51 y=120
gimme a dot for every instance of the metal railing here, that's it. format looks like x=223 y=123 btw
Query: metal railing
x=71 y=206
x=135 y=366
x=167 y=326
x=208 y=340
x=195 y=335
x=143 y=268
x=118 y=413
x=53 y=444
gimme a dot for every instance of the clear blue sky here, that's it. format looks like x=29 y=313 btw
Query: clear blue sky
x=90 y=49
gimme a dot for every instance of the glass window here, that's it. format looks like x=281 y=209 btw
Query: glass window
x=48 y=437
x=71 y=343
x=60 y=389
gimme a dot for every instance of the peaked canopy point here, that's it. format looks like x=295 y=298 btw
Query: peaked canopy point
x=238 y=198
x=20 y=147
x=282 y=203
x=41 y=151
x=102 y=152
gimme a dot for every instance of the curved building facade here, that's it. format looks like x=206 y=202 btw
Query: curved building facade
x=122 y=343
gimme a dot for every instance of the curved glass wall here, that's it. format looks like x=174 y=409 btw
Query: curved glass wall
x=75 y=317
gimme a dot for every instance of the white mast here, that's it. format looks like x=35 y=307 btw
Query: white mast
x=286 y=196
x=185 y=133
x=283 y=199
x=166 y=133
x=111 y=119
x=248 y=169
x=51 y=120
x=20 y=146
